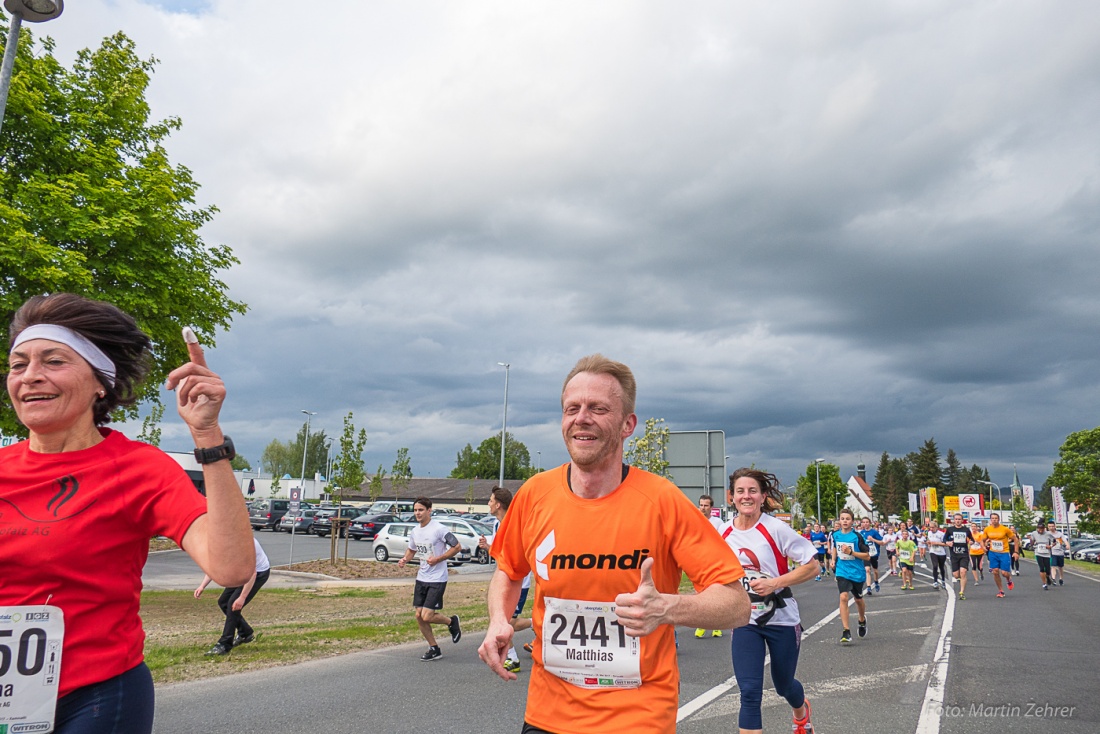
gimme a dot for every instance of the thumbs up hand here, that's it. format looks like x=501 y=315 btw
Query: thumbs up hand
x=640 y=612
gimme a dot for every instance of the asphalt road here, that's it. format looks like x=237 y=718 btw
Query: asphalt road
x=1026 y=663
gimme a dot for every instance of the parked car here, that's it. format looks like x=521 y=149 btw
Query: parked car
x=1078 y=548
x=1090 y=555
x=302 y=521
x=468 y=532
x=392 y=541
x=388 y=506
x=267 y=514
x=1081 y=551
x=322 y=523
x=367 y=526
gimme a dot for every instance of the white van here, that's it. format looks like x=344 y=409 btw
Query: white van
x=389 y=507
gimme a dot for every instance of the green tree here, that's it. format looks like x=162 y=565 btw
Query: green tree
x=376 y=484
x=274 y=487
x=1077 y=471
x=90 y=203
x=484 y=463
x=834 y=492
x=890 y=491
x=648 y=450
x=401 y=473
x=1023 y=519
x=348 y=471
x=285 y=457
x=952 y=473
x=925 y=471
x=150 y=424
x=239 y=463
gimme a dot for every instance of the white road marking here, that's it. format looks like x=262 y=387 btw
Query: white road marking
x=885 y=678
x=929 y=722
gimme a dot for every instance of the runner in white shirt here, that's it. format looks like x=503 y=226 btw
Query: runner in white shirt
x=763 y=545
x=436 y=545
x=1041 y=542
x=891 y=538
x=937 y=551
x=1057 y=554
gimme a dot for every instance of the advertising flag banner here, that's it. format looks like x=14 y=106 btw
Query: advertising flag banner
x=932 y=501
x=913 y=505
x=1061 y=515
x=1029 y=496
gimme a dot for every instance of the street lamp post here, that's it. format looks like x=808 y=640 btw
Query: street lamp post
x=32 y=11
x=294 y=523
x=817 y=471
x=328 y=461
x=539 y=469
x=305 y=447
x=504 y=424
x=991 y=486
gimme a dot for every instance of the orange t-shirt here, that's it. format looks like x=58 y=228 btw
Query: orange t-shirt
x=590 y=551
x=977 y=547
x=999 y=538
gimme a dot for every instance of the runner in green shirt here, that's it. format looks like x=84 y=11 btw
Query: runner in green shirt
x=907 y=553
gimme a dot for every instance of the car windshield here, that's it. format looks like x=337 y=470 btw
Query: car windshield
x=479 y=528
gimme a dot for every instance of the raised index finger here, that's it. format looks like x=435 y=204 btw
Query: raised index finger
x=194 y=349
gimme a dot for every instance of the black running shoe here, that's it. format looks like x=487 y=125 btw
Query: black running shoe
x=433 y=653
x=219 y=649
x=455 y=629
x=862 y=629
x=845 y=637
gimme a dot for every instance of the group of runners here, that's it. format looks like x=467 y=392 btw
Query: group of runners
x=966 y=549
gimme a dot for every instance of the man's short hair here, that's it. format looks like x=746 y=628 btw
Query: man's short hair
x=601 y=365
x=427 y=503
x=847 y=512
x=503 y=496
x=706 y=497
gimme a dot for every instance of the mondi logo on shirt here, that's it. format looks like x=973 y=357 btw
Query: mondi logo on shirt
x=583 y=561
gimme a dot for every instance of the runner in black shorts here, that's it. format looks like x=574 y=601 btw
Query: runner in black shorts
x=959 y=538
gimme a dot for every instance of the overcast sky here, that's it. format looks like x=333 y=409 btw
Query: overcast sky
x=828 y=229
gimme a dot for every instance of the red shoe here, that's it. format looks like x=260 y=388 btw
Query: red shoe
x=1000 y=595
x=1010 y=585
x=803 y=726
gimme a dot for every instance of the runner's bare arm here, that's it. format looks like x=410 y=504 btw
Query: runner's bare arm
x=220 y=541
x=502 y=599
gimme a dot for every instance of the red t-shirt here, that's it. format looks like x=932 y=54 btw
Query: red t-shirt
x=590 y=550
x=74 y=533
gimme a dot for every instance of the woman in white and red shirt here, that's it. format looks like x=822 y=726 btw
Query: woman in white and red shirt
x=763 y=544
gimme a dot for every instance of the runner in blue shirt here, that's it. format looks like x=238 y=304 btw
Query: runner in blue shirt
x=849 y=551
x=874 y=540
x=821 y=547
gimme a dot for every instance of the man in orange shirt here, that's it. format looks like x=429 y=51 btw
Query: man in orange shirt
x=608 y=544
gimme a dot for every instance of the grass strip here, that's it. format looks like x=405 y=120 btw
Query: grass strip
x=292 y=626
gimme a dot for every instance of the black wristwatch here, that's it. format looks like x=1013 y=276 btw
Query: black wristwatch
x=216 y=453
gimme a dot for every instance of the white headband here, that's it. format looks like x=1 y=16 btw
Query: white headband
x=92 y=354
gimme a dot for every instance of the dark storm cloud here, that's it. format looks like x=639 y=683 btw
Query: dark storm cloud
x=829 y=230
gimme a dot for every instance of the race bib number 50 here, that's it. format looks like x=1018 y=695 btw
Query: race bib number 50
x=30 y=667
x=584 y=644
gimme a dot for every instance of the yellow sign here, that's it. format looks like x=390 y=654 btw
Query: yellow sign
x=933 y=504
x=950 y=505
